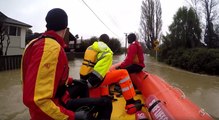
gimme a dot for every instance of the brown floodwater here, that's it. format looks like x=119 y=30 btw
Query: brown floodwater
x=200 y=89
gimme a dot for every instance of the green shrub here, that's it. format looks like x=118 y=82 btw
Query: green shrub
x=199 y=60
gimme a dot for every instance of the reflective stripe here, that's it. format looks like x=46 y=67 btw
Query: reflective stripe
x=127 y=88
x=90 y=48
x=124 y=80
x=97 y=74
x=102 y=55
x=88 y=84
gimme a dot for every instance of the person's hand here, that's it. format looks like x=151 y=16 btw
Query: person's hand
x=82 y=83
x=117 y=67
x=81 y=115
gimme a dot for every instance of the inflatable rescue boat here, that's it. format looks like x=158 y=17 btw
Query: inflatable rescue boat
x=162 y=101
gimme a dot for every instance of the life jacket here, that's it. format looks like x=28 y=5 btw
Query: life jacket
x=96 y=63
x=90 y=58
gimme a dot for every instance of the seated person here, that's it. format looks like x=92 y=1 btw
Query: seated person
x=134 y=61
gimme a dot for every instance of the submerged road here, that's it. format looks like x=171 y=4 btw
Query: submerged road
x=200 y=89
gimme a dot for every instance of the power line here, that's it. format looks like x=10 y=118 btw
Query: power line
x=99 y=18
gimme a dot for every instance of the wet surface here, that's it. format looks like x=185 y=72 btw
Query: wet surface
x=200 y=89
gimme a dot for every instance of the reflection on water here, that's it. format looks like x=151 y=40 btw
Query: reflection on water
x=201 y=89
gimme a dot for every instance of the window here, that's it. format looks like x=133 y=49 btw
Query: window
x=18 y=31
x=14 y=31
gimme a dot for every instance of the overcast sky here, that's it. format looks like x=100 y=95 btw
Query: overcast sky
x=118 y=16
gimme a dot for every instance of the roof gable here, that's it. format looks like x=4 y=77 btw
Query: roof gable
x=5 y=19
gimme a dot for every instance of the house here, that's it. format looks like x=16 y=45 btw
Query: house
x=17 y=33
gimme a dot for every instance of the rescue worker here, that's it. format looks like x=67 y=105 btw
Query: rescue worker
x=45 y=72
x=76 y=97
x=95 y=72
x=134 y=61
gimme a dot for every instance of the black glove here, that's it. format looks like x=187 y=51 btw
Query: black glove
x=85 y=115
x=81 y=115
x=83 y=81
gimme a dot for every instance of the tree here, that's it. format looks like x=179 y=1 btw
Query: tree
x=185 y=31
x=151 y=22
x=29 y=32
x=211 y=15
x=115 y=45
x=217 y=29
x=194 y=4
x=3 y=36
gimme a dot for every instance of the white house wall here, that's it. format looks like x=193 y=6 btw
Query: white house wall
x=17 y=43
x=23 y=34
x=14 y=46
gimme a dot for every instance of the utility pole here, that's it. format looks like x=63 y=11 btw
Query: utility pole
x=126 y=42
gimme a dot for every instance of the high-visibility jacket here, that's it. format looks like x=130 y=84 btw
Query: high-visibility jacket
x=135 y=55
x=44 y=74
x=97 y=60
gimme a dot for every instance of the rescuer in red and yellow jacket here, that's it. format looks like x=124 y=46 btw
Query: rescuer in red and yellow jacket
x=134 y=61
x=95 y=71
x=45 y=72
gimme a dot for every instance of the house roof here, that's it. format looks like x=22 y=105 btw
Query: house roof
x=5 y=19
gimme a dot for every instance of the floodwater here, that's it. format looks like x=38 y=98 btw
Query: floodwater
x=200 y=89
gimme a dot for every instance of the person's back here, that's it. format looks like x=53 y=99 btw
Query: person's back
x=93 y=60
x=97 y=61
x=45 y=70
x=139 y=58
x=134 y=61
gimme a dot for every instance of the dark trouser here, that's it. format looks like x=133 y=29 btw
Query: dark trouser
x=78 y=90
x=134 y=68
x=101 y=105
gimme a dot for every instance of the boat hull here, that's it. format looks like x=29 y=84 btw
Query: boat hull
x=164 y=101
x=173 y=102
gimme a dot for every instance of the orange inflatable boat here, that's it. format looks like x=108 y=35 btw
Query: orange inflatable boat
x=165 y=102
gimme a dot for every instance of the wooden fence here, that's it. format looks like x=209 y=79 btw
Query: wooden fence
x=10 y=62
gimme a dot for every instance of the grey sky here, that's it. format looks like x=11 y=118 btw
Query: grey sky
x=120 y=16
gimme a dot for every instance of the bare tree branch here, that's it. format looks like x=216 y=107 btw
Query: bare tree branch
x=151 y=22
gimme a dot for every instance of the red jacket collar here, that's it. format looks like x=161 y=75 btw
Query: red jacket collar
x=54 y=35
